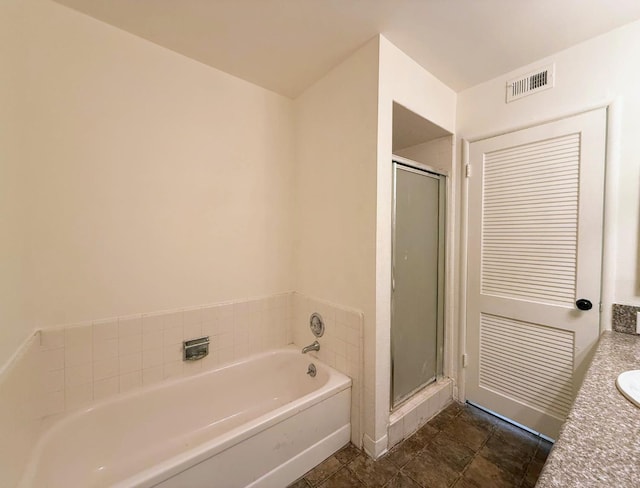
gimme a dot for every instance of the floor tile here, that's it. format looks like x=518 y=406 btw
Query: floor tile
x=544 y=448
x=425 y=434
x=510 y=457
x=343 y=478
x=532 y=473
x=373 y=473
x=463 y=483
x=405 y=451
x=462 y=447
x=451 y=452
x=484 y=474
x=347 y=453
x=478 y=418
x=429 y=471
x=465 y=433
x=322 y=471
x=454 y=408
x=445 y=417
x=401 y=480
x=510 y=434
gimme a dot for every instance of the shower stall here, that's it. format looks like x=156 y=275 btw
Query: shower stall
x=417 y=298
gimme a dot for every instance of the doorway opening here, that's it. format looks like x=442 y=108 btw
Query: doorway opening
x=534 y=247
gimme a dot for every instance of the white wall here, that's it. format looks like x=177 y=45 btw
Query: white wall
x=335 y=183
x=336 y=132
x=14 y=322
x=403 y=81
x=151 y=181
x=595 y=72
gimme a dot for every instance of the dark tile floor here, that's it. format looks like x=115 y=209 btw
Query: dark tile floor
x=462 y=447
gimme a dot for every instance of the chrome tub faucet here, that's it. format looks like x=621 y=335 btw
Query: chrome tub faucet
x=312 y=347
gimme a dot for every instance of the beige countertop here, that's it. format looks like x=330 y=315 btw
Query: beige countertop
x=599 y=444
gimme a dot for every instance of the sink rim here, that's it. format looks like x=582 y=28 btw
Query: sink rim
x=628 y=384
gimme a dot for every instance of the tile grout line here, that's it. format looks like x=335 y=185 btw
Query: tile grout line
x=533 y=456
x=494 y=427
x=424 y=448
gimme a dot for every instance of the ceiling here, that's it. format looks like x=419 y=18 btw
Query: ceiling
x=286 y=45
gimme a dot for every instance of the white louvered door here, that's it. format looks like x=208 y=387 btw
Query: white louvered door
x=534 y=248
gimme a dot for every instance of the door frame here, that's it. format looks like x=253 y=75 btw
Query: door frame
x=443 y=177
x=611 y=170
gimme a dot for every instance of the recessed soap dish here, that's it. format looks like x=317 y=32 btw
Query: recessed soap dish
x=629 y=385
x=195 y=349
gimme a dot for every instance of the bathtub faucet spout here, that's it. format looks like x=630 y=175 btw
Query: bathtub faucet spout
x=312 y=347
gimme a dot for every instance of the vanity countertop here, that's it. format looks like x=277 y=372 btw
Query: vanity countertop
x=599 y=444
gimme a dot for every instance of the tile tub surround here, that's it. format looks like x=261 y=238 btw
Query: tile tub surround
x=599 y=444
x=340 y=346
x=462 y=447
x=63 y=368
x=85 y=362
x=624 y=318
x=21 y=406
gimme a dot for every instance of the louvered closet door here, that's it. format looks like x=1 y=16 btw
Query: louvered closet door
x=534 y=248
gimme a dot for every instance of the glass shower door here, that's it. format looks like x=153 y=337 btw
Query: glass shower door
x=417 y=281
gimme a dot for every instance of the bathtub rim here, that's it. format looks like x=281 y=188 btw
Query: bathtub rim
x=148 y=477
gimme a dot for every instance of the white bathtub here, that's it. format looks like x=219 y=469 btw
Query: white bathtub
x=261 y=422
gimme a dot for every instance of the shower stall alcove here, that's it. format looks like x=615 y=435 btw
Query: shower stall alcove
x=419 y=387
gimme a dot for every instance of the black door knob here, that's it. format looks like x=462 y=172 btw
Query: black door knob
x=584 y=304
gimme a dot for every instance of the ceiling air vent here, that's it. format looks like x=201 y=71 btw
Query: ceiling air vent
x=538 y=80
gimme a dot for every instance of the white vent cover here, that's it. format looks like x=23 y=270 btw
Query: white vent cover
x=533 y=82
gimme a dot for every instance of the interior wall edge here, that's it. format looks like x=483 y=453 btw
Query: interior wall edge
x=18 y=353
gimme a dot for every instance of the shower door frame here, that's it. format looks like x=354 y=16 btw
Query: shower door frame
x=442 y=177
